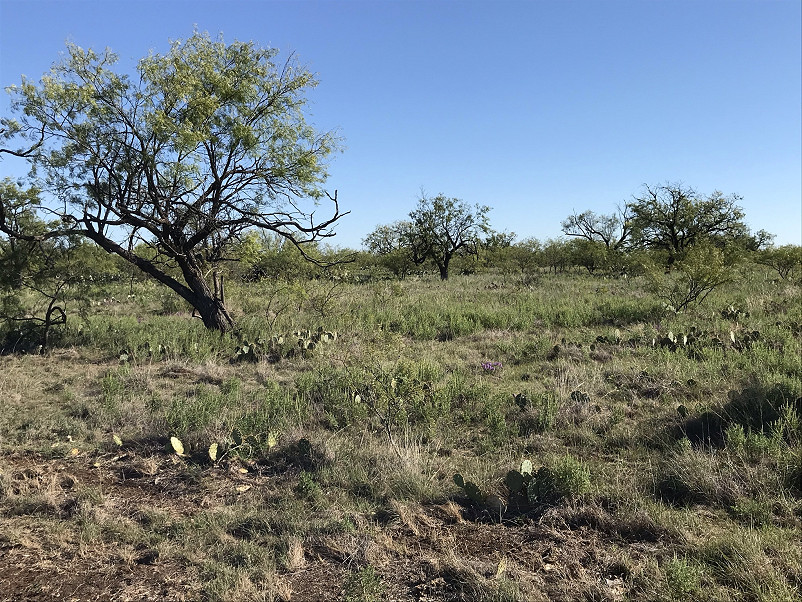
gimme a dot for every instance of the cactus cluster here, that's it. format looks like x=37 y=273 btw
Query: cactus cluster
x=240 y=444
x=580 y=397
x=744 y=340
x=250 y=351
x=236 y=443
x=673 y=341
x=564 y=478
x=307 y=340
x=605 y=340
x=546 y=485
x=279 y=346
x=734 y=313
x=517 y=481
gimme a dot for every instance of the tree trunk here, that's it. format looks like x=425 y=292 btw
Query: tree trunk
x=443 y=267
x=214 y=314
x=208 y=303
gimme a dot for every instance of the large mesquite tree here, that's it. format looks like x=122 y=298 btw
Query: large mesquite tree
x=440 y=227
x=169 y=167
x=674 y=217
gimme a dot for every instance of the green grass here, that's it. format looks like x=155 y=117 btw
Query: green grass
x=677 y=465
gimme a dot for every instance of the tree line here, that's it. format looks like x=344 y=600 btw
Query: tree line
x=203 y=165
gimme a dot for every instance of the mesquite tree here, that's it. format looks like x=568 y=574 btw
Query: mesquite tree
x=612 y=230
x=440 y=227
x=169 y=167
x=674 y=217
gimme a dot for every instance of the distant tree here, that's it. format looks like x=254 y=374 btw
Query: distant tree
x=786 y=260
x=520 y=258
x=611 y=230
x=36 y=273
x=589 y=254
x=495 y=241
x=440 y=227
x=390 y=245
x=386 y=238
x=207 y=142
x=261 y=255
x=556 y=255
x=674 y=217
x=701 y=270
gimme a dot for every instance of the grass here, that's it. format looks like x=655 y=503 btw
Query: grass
x=667 y=470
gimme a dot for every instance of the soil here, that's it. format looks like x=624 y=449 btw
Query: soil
x=422 y=553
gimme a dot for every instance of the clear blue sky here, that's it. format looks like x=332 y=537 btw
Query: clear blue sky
x=535 y=108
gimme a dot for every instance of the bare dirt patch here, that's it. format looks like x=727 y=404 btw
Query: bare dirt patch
x=48 y=550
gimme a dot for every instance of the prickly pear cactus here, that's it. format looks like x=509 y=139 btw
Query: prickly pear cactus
x=471 y=489
x=514 y=481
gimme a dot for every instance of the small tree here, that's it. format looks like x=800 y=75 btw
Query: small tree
x=786 y=260
x=36 y=273
x=441 y=227
x=555 y=255
x=389 y=243
x=611 y=230
x=589 y=254
x=207 y=142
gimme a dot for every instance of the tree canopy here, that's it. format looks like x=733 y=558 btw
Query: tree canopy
x=612 y=230
x=674 y=217
x=207 y=142
x=438 y=229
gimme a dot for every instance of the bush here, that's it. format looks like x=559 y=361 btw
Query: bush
x=702 y=270
x=564 y=479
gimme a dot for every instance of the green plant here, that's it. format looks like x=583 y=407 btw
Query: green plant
x=735 y=314
x=691 y=280
x=364 y=585
x=563 y=479
x=683 y=577
x=539 y=411
x=279 y=346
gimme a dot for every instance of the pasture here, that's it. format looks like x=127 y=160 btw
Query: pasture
x=485 y=438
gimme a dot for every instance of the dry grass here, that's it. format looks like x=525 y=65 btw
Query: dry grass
x=332 y=500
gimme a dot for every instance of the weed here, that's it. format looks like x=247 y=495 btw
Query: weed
x=364 y=585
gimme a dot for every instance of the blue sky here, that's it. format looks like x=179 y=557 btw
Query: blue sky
x=534 y=108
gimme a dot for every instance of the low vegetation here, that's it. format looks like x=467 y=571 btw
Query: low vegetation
x=481 y=438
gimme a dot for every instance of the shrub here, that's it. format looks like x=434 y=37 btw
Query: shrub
x=690 y=282
x=564 y=479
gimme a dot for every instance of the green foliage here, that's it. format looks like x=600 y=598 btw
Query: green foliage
x=389 y=243
x=591 y=255
x=563 y=479
x=683 y=577
x=539 y=411
x=611 y=231
x=439 y=229
x=785 y=260
x=364 y=585
x=214 y=132
x=692 y=279
x=674 y=218
x=41 y=271
x=300 y=342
